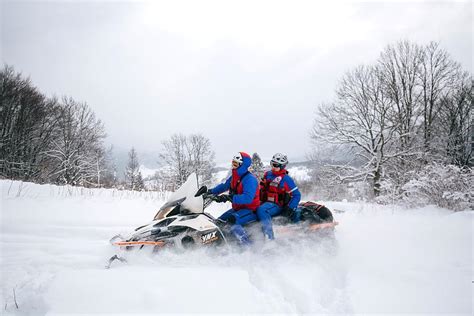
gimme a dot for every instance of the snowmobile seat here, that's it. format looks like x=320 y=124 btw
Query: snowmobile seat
x=316 y=213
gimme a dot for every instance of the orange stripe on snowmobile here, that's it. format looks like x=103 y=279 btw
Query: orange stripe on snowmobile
x=139 y=243
x=323 y=225
x=294 y=229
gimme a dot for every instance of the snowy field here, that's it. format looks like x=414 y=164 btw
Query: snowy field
x=54 y=246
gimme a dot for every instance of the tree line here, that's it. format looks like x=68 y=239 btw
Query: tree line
x=61 y=141
x=410 y=109
x=49 y=140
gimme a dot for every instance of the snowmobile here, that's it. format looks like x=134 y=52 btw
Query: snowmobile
x=183 y=223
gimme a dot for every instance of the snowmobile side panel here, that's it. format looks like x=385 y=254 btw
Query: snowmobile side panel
x=199 y=223
x=214 y=236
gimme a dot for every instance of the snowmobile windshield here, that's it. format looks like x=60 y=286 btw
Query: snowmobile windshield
x=183 y=200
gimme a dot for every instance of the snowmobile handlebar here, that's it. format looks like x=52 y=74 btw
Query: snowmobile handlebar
x=217 y=198
x=206 y=194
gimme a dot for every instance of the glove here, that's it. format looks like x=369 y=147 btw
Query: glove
x=287 y=211
x=223 y=198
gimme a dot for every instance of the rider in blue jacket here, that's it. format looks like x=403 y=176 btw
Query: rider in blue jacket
x=279 y=194
x=243 y=190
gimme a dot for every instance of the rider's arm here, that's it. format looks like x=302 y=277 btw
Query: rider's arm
x=221 y=187
x=292 y=189
x=249 y=189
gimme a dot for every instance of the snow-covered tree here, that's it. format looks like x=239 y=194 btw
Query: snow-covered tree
x=457 y=124
x=437 y=76
x=187 y=154
x=164 y=180
x=400 y=66
x=133 y=176
x=26 y=127
x=201 y=157
x=47 y=140
x=359 y=118
x=109 y=175
x=257 y=167
x=413 y=107
x=175 y=156
x=77 y=147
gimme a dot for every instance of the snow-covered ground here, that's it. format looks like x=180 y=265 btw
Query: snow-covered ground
x=54 y=246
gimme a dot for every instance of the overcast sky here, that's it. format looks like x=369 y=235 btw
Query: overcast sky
x=246 y=74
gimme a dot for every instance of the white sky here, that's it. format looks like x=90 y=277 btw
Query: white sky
x=246 y=74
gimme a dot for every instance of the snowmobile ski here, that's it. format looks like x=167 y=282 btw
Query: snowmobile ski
x=113 y=258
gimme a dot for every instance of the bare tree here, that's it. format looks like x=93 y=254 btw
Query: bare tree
x=437 y=76
x=400 y=67
x=109 y=172
x=26 y=127
x=176 y=157
x=187 y=154
x=359 y=118
x=45 y=139
x=133 y=176
x=457 y=122
x=77 y=146
x=201 y=157
x=412 y=109
x=164 y=180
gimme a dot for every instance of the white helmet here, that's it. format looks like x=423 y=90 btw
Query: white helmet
x=238 y=159
x=279 y=160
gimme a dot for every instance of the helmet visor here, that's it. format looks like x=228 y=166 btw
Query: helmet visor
x=276 y=165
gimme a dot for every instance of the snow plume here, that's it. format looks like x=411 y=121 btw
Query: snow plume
x=384 y=260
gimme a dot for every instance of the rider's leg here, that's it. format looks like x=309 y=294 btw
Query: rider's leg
x=227 y=215
x=239 y=219
x=264 y=214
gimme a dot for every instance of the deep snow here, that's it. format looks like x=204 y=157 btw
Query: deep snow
x=54 y=246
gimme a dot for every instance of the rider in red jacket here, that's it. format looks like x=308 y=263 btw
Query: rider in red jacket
x=244 y=190
x=279 y=194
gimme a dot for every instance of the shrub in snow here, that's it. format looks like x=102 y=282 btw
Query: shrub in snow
x=444 y=185
x=390 y=191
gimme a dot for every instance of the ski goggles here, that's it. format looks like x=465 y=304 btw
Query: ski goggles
x=276 y=165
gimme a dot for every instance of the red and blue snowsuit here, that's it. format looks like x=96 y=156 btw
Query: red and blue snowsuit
x=244 y=188
x=278 y=191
